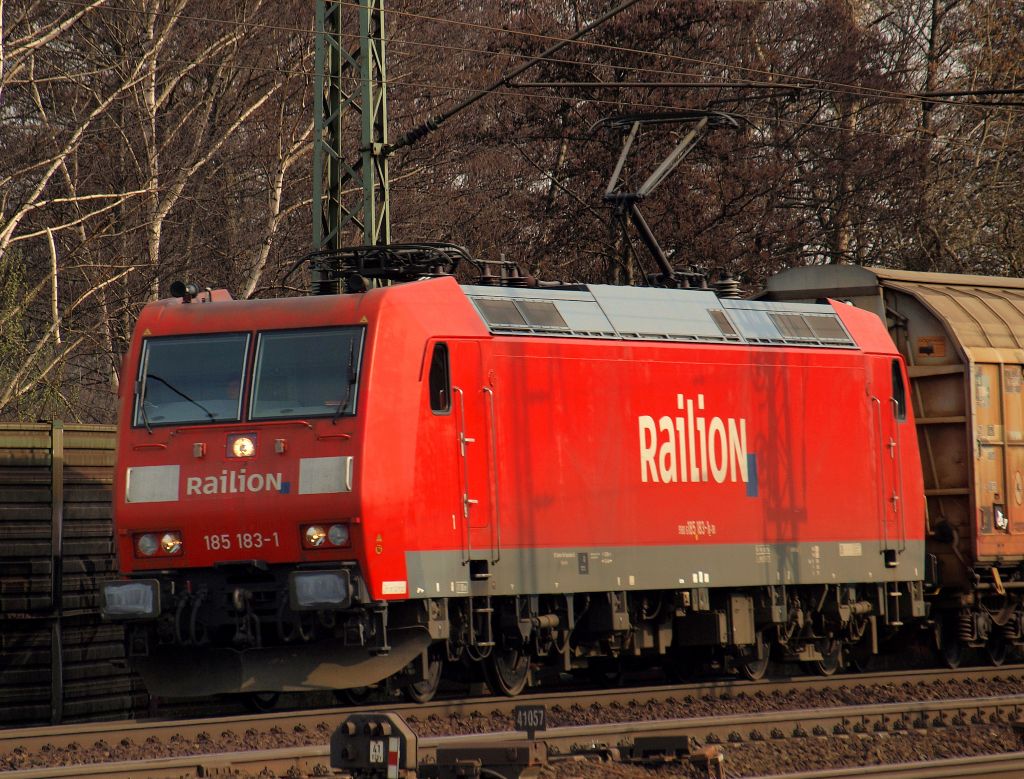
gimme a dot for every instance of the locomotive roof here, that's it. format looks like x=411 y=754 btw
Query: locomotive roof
x=580 y=311
x=645 y=313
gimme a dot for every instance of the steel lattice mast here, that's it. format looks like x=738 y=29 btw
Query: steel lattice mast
x=349 y=86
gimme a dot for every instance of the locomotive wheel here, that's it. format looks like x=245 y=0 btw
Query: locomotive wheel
x=831 y=653
x=424 y=690
x=753 y=668
x=860 y=656
x=507 y=669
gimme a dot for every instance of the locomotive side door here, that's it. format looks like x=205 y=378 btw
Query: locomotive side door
x=474 y=437
x=890 y=418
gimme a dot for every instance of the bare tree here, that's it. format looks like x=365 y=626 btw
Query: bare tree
x=150 y=140
x=127 y=120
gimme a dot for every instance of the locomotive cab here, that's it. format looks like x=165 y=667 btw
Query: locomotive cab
x=238 y=510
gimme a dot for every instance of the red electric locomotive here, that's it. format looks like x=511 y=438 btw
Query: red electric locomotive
x=330 y=491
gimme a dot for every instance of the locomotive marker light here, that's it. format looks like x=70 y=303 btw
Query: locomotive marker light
x=319 y=590
x=147 y=544
x=314 y=536
x=171 y=543
x=164 y=543
x=338 y=535
x=130 y=599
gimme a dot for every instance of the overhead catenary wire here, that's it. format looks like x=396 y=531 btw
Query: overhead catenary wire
x=849 y=88
x=475 y=95
x=823 y=85
x=432 y=123
x=514 y=92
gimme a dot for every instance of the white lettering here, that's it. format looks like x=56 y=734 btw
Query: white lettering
x=648 y=448
x=667 y=453
x=738 y=449
x=694 y=467
x=702 y=435
x=719 y=453
x=230 y=482
x=681 y=437
x=690 y=447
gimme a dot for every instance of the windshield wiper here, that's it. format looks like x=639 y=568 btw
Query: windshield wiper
x=140 y=393
x=177 y=391
x=352 y=376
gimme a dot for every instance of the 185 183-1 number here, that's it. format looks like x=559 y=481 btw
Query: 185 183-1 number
x=223 y=541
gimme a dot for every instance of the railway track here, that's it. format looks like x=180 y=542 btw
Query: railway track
x=313 y=762
x=61 y=737
x=98 y=749
x=638 y=742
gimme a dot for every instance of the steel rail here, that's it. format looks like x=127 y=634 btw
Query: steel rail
x=1009 y=765
x=603 y=739
x=61 y=736
x=308 y=761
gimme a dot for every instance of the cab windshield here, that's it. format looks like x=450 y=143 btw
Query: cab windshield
x=201 y=378
x=191 y=379
x=306 y=373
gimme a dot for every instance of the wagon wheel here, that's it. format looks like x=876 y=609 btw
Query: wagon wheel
x=753 y=668
x=951 y=652
x=997 y=649
x=354 y=696
x=260 y=702
x=424 y=690
x=831 y=652
x=507 y=669
x=948 y=646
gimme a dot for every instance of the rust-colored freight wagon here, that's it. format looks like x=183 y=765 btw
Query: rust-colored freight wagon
x=963 y=341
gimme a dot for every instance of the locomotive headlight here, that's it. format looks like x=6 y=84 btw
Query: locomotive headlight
x=130 y=599
x=315 y=536
x=171 y=542
x=338 y=535
x=319 y=590
x=242 y=445
x=147 y=544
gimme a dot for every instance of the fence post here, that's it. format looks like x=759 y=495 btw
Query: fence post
x=57 y=570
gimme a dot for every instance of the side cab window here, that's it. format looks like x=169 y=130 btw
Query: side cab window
x=440 y=383
x=899 y=392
